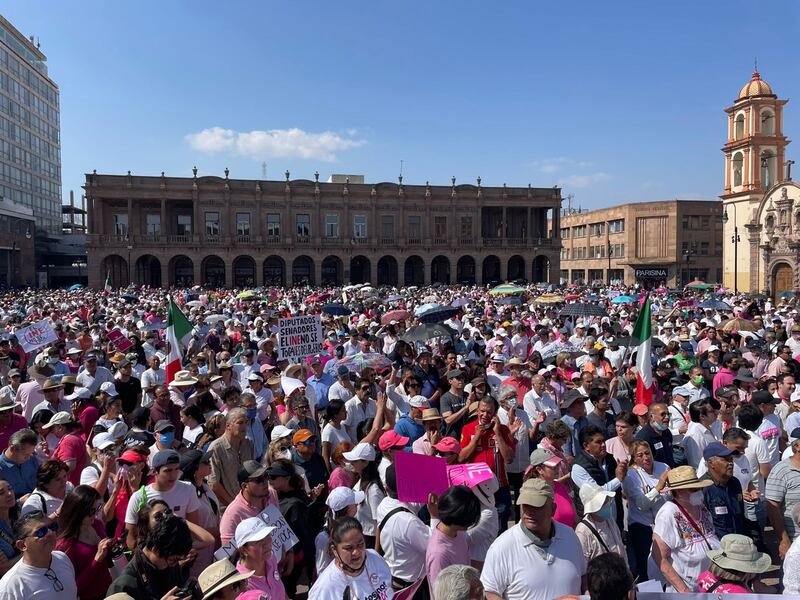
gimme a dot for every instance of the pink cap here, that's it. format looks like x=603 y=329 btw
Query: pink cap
x=392 y=439
x=448 y=444
x=640 y=409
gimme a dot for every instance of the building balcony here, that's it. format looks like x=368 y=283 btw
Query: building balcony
x=360 y=241
x=414 y=241
x=272 y=240
x=303 y=240
x=440 y=242
x=245 y=239
x=332 y=242
x=388 y=241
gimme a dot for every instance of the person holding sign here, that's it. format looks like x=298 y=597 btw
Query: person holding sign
x=255 y=555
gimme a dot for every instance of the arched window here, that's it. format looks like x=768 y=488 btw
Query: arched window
x=738 y=127
x=738 y=166
x=767 y=122
x=770 y=222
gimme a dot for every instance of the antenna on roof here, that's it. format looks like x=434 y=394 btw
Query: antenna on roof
x=755 y=64
x=401 y=167
x=263 y=169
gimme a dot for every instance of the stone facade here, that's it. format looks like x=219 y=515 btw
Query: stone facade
x=670 y=242
x=17 y=235
x=222 y=232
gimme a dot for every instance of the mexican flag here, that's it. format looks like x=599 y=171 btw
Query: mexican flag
x=644 y=377
x=178 y=332
x=107 y=285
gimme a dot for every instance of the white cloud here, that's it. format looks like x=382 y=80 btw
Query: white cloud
x=559 y=163
x=583 y=181
x=274 y=143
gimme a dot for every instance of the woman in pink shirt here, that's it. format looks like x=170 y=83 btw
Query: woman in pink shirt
x=620 y=445
x=342 y=474
x=545 y=465
x=459 y=509
x=253 y=541
x=81 y=536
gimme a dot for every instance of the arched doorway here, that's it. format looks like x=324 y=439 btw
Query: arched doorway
x=541 y=269
x=181 y=271
x=244 y=272
x=516 y=268
x=274 y=271
x=213 y=272
x=387 y=271
x=331 y=271
x=491 y=270
x=440 y=270
x=414 y=271
x=303 y=271
x=782 y=277
x=360 y=269
x=115 y=269
x=465 y=270
x=147 y=271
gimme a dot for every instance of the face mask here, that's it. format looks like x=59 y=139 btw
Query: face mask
x=696 y=498
x=697 y=380
x=252 y=413
x=605 y=512
x=166 y=439
x=348 y=467
x=286 y=454
x=659 y=426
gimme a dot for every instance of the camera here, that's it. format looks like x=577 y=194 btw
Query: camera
x=190 y=590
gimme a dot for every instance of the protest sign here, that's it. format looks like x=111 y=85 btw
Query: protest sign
x=299 y=337
x=418 y=475
x=35 y=336
x=283 y=538
x=469 y=474
x=121 y=343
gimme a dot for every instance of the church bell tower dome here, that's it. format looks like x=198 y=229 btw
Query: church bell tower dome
x=756 y=88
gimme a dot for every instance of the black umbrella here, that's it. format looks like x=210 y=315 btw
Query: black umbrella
x=427 y=331
x=580 y=309
x=625 y=342
x=129 y=298
x=339 y=310
x=438 y=314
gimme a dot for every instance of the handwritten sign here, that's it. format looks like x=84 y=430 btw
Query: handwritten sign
x=35 y=336
x=299 y=337
x=283 y=538
x=469 y=474
x=419 y=475
x=119 y=340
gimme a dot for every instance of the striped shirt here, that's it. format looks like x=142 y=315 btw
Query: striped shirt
x=783 y=487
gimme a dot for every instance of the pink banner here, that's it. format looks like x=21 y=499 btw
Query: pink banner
x=121 y=343
x=470 y=474
x=418 y=475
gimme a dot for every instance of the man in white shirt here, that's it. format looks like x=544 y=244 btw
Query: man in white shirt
x=678 y=409
x=245 y=369
x=520 y=343
x=770 y=430
x=699 y=434
x=614 y=353
x=537 y=559
x=152 y=378
x=579 y=337
x=360 y=407
x=91 y=376
x=351 y=346
x=695 y=385
x=342 y=389
x=264 y=397
x=538 y=400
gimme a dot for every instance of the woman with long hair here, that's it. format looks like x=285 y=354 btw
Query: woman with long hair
x=341 y=502
x=9 y=554
x=130 y=476
x=193 y=420
x=355 y=568
x=112 y=411
x=334 y=433
x=364 y=464
x=195 y=467
x=214 y=428
x=255 y=554
x=81 y=536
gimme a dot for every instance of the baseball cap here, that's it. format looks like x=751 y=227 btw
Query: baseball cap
x=342 y=497
x=80 y=393
x=109 y=388
x=681 y=391
x=392 y=439
x=535 y=492
x=362 y=451
x=252 y=529
x=60 y=418
x=453 y=373
x=716 y=449
x=101 y=441
x=302 y=435
x=448 y=444
x=280 y=469
x=640 y=409
x=543 y=456
x=763 y=397
x=570 y=398
x=165 y=457
x=279 y=432
x=163 y=425
x=419 y=401
x=342 y=371
x=713 y=348
x=250 y=469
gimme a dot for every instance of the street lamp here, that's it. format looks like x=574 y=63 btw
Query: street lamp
x=130 y=247
x=79 y=265
x=735 y=239
x=687 y=255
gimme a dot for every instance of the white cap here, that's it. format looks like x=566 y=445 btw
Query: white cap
x=542 y=371
x=593 y=497
x=118 y=430
x=290 y=385
x=109 y=388
x=254 y=377
x=279 y=432
x=251 y=530
x=419 y=401
x=342 y=497
x=497 y=357
x=80 y=392
x=712 y=347
x=60 y=418
x=501 y=332
x=103 y=440
x=362 y=451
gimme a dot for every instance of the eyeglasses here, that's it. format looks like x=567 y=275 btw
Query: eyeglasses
x=53 y=578
x=42 y=531
x=162 y=514
x=364 y=388
x=309 y=442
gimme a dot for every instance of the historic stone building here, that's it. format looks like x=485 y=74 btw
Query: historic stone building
x=217 y=231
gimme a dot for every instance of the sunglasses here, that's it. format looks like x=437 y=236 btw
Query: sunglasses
x=163 y=514
x=42 y=531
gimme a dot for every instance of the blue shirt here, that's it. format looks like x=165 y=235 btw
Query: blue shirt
x=22 y=478
x=6 y=548
x=255 y=433
x=575 y=425
x=408 y=427
x=726 y=505
x=321 y=387
x=430 y=381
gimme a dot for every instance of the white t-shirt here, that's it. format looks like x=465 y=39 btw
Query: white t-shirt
x=366 y=511
x=757 y=454
x=191 y=435
x=515 y=570
x=182 y=499
x=338 y=392
x=34 y=502
x=483 y=534
x=639 y=488
x=90 y=475
x=373 y=583
x=322 y=555
x=770 y=432
x=335 y=436
x=24 y=582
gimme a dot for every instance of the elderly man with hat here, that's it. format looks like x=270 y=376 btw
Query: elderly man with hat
x=152 y=377
x=93 y=376
x=575 y=417
x=537 y=559
x=14 y=381
x=302 y=418
x=412 y=425
x=223 y=581
x=71 y=448
x=320 y=381
x=10 y=421
x=305 y=455
x=53 y=399
x=497 y=373
x=29 y=394
x=432 y=423
x=264 y=397
x=725 y=498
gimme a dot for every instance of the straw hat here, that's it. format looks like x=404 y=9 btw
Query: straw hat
x=219 y=575
x=738 y=553
x=685 y=478
x=183 y=378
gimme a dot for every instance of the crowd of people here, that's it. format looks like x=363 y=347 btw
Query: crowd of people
x=248 y=475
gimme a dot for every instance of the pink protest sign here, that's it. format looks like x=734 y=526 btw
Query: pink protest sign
x=418 y=475
x=470 y=474
x=121 y=343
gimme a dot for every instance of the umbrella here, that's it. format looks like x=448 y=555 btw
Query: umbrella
x=396 y=315
x=507 y=288
x=551 y=350
x=739 y=325
x=583 y=310
x=395 y=298
x=211 y=319
x=75 y=287
x=623 y=299
x=787 y=294
x=360 y=361
x=129 y=298
x=459 y=302
x=427 y=331
x=715 y=305
x=624 y=342
x=510 y=300
x=339 y=310
x=247 y=295
x=425 y=307
x=320 y=297
x=549 y=299
x=194 y=303
x=437 y=314
x=700 y=285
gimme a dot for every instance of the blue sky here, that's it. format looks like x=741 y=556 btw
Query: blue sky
x=617 y=101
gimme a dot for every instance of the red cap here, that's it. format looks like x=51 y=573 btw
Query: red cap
x=131 y=456
x=392 y=439
x=640 y=409
x=448 y=444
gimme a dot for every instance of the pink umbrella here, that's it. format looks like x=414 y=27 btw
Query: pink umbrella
x=395 y=315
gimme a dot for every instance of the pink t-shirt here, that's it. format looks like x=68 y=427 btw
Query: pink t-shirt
x=707 y=579
x=444 y=551
x=239 y=510
x=91 y=577
x=270 y=584
x=17 y=422
x=72 y=447
x=340 y=478
x=565 y=509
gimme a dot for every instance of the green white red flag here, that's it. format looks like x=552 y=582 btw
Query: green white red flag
x=644 y=377
x=107 y=285
x=178 y=333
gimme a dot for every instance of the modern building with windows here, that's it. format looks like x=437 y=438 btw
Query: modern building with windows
x=222 y=232
x=669 y=243
x=30 y=139
x=17 y=232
